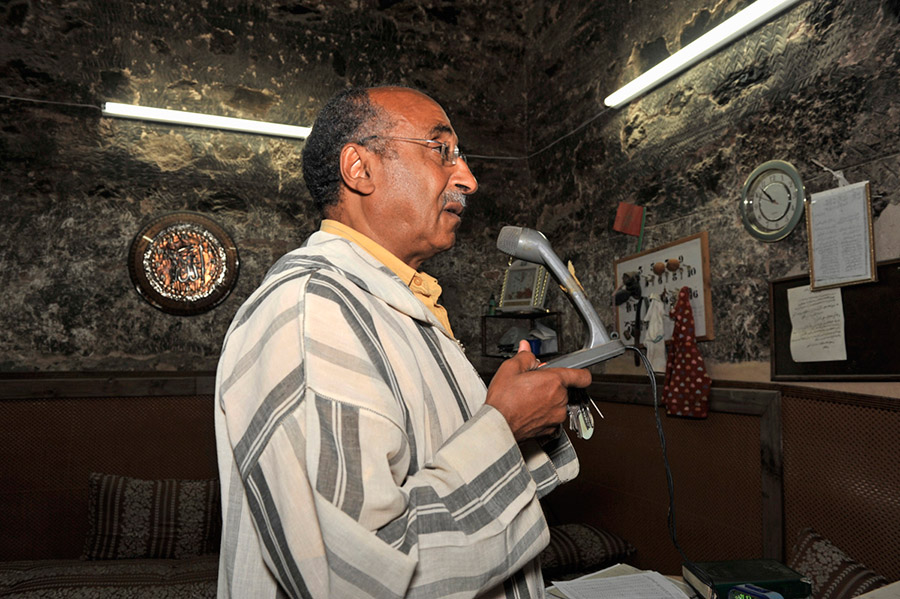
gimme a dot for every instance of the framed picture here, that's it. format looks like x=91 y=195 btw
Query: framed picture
x=524 y=287
x=841 y=237
x=183 y=263
x=664 y=271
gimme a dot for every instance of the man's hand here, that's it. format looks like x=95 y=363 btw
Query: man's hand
x=533 y=401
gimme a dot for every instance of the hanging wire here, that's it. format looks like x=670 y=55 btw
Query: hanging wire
x=481 y=156
x=857 y=165
x=51 y=102
x=548 y=146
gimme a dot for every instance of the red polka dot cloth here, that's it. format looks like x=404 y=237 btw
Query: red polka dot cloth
x=686 y=387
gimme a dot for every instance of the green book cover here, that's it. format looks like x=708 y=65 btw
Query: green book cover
x=769 y=574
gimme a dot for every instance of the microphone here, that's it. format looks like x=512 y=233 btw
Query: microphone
x=532 y=246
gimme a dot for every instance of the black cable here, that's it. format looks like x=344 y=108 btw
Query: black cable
x=670 y=484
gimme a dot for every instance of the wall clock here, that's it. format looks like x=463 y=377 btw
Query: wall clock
x=772 y=200
x=183 y=263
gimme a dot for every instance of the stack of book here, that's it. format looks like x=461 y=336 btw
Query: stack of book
x=713 y=580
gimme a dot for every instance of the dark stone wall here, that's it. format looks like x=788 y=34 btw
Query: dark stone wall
x=521 y=79
x=76 y=188
x=820 y=83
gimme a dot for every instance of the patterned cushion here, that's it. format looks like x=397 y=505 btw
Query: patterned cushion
x=834 y=575
x=133 y=518
x=577 y=548
x=190 y=578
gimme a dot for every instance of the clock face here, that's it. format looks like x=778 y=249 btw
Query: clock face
x=772 y=200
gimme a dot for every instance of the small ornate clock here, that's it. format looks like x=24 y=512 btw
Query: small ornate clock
x=772 y=200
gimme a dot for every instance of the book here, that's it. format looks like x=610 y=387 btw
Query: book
x=713 y=580
x=629 y=219
x=621 y=581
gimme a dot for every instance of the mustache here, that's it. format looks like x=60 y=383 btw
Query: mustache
x=453 y=196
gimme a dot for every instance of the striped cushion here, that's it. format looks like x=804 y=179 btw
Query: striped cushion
x=133 y=518
x=576 y=548
x=833 y=574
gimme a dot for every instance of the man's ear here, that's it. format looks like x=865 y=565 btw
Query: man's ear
x=355 y=169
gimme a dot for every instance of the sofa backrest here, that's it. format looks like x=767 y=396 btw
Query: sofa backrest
x=58 y=430
x=748 y=479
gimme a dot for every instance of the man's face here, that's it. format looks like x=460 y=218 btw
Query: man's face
x=420 y=196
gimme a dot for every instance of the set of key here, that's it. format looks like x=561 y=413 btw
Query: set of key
x=581 y=421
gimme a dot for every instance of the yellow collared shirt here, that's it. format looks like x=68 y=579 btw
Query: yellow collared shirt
x=424 y=286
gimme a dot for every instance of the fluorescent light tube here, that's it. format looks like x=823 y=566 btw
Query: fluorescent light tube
x=196 y=119
x=757 y=13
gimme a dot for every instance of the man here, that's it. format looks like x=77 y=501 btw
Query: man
x=359 y=451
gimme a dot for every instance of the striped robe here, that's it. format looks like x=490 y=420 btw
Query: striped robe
x=356 y=455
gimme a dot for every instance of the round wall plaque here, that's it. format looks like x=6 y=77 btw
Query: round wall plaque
x=183 y=263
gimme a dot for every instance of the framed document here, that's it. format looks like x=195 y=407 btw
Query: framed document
x=871 y=332
x=841 y=237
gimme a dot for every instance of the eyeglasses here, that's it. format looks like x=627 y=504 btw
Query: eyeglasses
x=448 y=155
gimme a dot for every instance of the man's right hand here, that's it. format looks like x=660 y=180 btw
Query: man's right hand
x=533 y=401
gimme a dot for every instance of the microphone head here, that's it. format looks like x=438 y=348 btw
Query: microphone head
x=532 y=246
x=524 y=244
